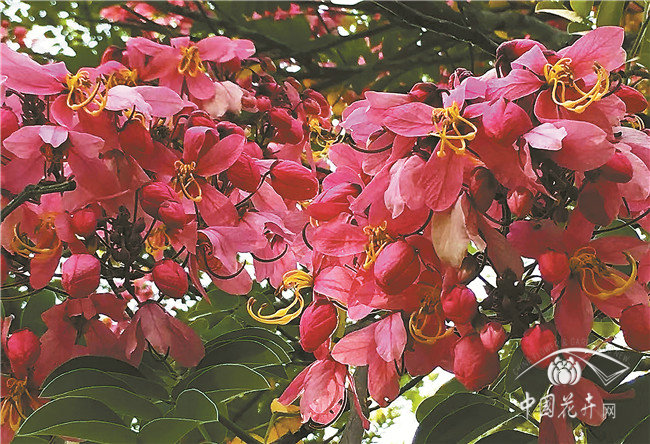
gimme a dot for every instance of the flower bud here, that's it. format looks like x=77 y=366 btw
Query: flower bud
x=84 y=221
x=170 y=278
x=263 y=103
x=244 y=173
x=293 y=181
x=520 y=201
x=493 y=336
x=554 y=266
x=428 y=93
x=172 y=214
x=459 y=304
x=113 y=53
x=136 y=140
x=468 y=270
x=617 y=169
x=8 y=122
x=635 y=323
x=311 y=106
x=537 y=343
x=635 y=102
x=317 y=324
x=482 y=188
x=474 y=365
x=153 y=194
x=23 y=348
x=80 y=275
x=396 y=267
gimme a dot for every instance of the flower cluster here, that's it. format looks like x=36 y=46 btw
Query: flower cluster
x=174 y=159
x=524 y=161
x=142 y=181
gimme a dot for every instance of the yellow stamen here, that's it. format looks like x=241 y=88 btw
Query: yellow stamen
x=560 y=76
x=185 y=183
x=294 y=280
x=427 y=325
x=82 y=93
x=24 y=247
x=323 y=138
x=122 y=77
x=377 y=240
x=597 y=279
x=157 y=240
x=12 y=411
x=447 y=121
x=190 y=63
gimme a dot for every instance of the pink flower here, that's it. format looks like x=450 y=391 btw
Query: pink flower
x=377 y=346
x=181 y=66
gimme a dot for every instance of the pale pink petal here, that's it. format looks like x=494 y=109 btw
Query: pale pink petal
x=410 y=120
x=584 y=148
x=390 y=337
x=546 y=137
x=356 y=348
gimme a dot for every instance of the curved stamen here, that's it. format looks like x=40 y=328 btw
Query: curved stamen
x=597 y=279
x=190 y=63
x=447 y=121
x=377 y=240
x=560 y=76
x=184 y=181
x=295 y=280
x=24 y=249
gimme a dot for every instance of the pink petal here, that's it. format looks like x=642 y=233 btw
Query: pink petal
x=25 y=142
x=339 y=239
x=546 y=137
x=584 y=148
x=164 y=102
x=356 y=348
x=517 y=84
x=573 y=316
x=410 y=120
x=602 y=45
x=383 y=381
x=390 y=337
x=443 y=179
x=27 y=76
x=221 y=156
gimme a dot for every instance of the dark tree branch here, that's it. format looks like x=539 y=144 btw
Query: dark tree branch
x=35 y=192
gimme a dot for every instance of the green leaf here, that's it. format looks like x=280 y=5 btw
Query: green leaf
x=194 y=404
x=234 y=377
x=29 y=440
x=78 y=417
x=252 y=332
x=582 y=7
x=508 y=437
x=31 y=314
x=244 y=351
x=121 y=401
x=165 y=430
x=101 y=363
x=610 y=13
x=462 y=416
x=557 y=8
x=448 y=388
x=79 y=378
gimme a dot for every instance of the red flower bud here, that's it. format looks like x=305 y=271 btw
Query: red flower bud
x=170 y=278
x=538 y=342
x=459 y=304
x=635 y=102
x=244 y=173
x=113 y=53
x=520 y=201
x=397 y=267
x=617 y=169
x=554 y=266
x=80 y=275
x=153 y=194
x=482 y=188
x=474 y=365
x=428 y=93
x=311 y=106
x=287 y=129
x=8 y=122
x=172 y=214
x=263 y=103
x=23 y=349
x=635 y=323
x=317 y=324
x=136 y=140
x=84 y=221
x=493 y=336
x=293 y=181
